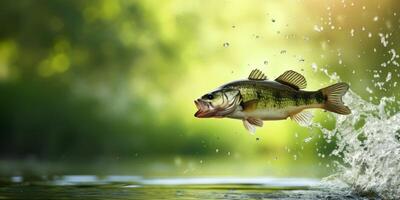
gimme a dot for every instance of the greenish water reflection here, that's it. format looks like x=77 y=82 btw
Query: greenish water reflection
x=125 y=187
x=179 y=178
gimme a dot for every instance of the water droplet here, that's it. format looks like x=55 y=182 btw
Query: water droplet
x=369 y=90
x=314 y=67
x=388 y=77
x=216 y=150
x=229 y=153
x=318 y=28
x=201 y=161
x=226 y=44
x=307 y=140
x=376 y=18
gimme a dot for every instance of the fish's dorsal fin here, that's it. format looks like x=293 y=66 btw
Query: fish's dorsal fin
x=256 y=74
x=292 y=79
x=302 y=118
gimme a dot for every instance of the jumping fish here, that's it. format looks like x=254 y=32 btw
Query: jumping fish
x=256 y=99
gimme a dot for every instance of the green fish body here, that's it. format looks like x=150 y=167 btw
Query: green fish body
x=271 y=100
x=257 y=99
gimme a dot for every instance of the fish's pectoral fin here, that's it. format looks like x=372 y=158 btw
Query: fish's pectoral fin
x=302 y=118
x=250 y=127
x=257 y=74
x=255 y=121
x=250 y=105
x=292 y=79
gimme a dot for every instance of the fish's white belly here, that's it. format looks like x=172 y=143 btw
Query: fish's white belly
x=265 y=114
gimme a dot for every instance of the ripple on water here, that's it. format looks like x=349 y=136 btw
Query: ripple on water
x=133 y=187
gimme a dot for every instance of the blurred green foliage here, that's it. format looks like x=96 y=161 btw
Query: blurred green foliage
x=52 y=47
x=89 y=79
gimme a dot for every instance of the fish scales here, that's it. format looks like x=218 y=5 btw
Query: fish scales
x=270 y=95
x=256 y=99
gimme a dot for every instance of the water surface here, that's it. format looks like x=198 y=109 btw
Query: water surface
x=135 y=187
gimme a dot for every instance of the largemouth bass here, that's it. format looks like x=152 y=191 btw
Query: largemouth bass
x=256 y=99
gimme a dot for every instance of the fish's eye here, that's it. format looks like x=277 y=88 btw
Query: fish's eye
x=210 y=96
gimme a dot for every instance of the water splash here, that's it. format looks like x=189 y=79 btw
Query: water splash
x=368 y=142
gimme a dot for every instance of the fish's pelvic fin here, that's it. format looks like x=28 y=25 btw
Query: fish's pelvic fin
x=302 y=118
x=255 y=121
x=256 y=74
x=250 y=127
x=250 y=124
x=333 y=95
x=292 y=79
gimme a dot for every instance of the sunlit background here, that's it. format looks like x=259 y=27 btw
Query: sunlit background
x=109 y=85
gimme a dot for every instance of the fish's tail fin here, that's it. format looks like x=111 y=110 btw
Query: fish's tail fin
x=333 y=95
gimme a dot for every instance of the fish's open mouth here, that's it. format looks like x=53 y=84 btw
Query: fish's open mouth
x=204 y=109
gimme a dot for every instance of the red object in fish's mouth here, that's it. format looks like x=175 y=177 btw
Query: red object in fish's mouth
x=204 y=109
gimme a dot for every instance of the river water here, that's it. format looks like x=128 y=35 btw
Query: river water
x=134 y=187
